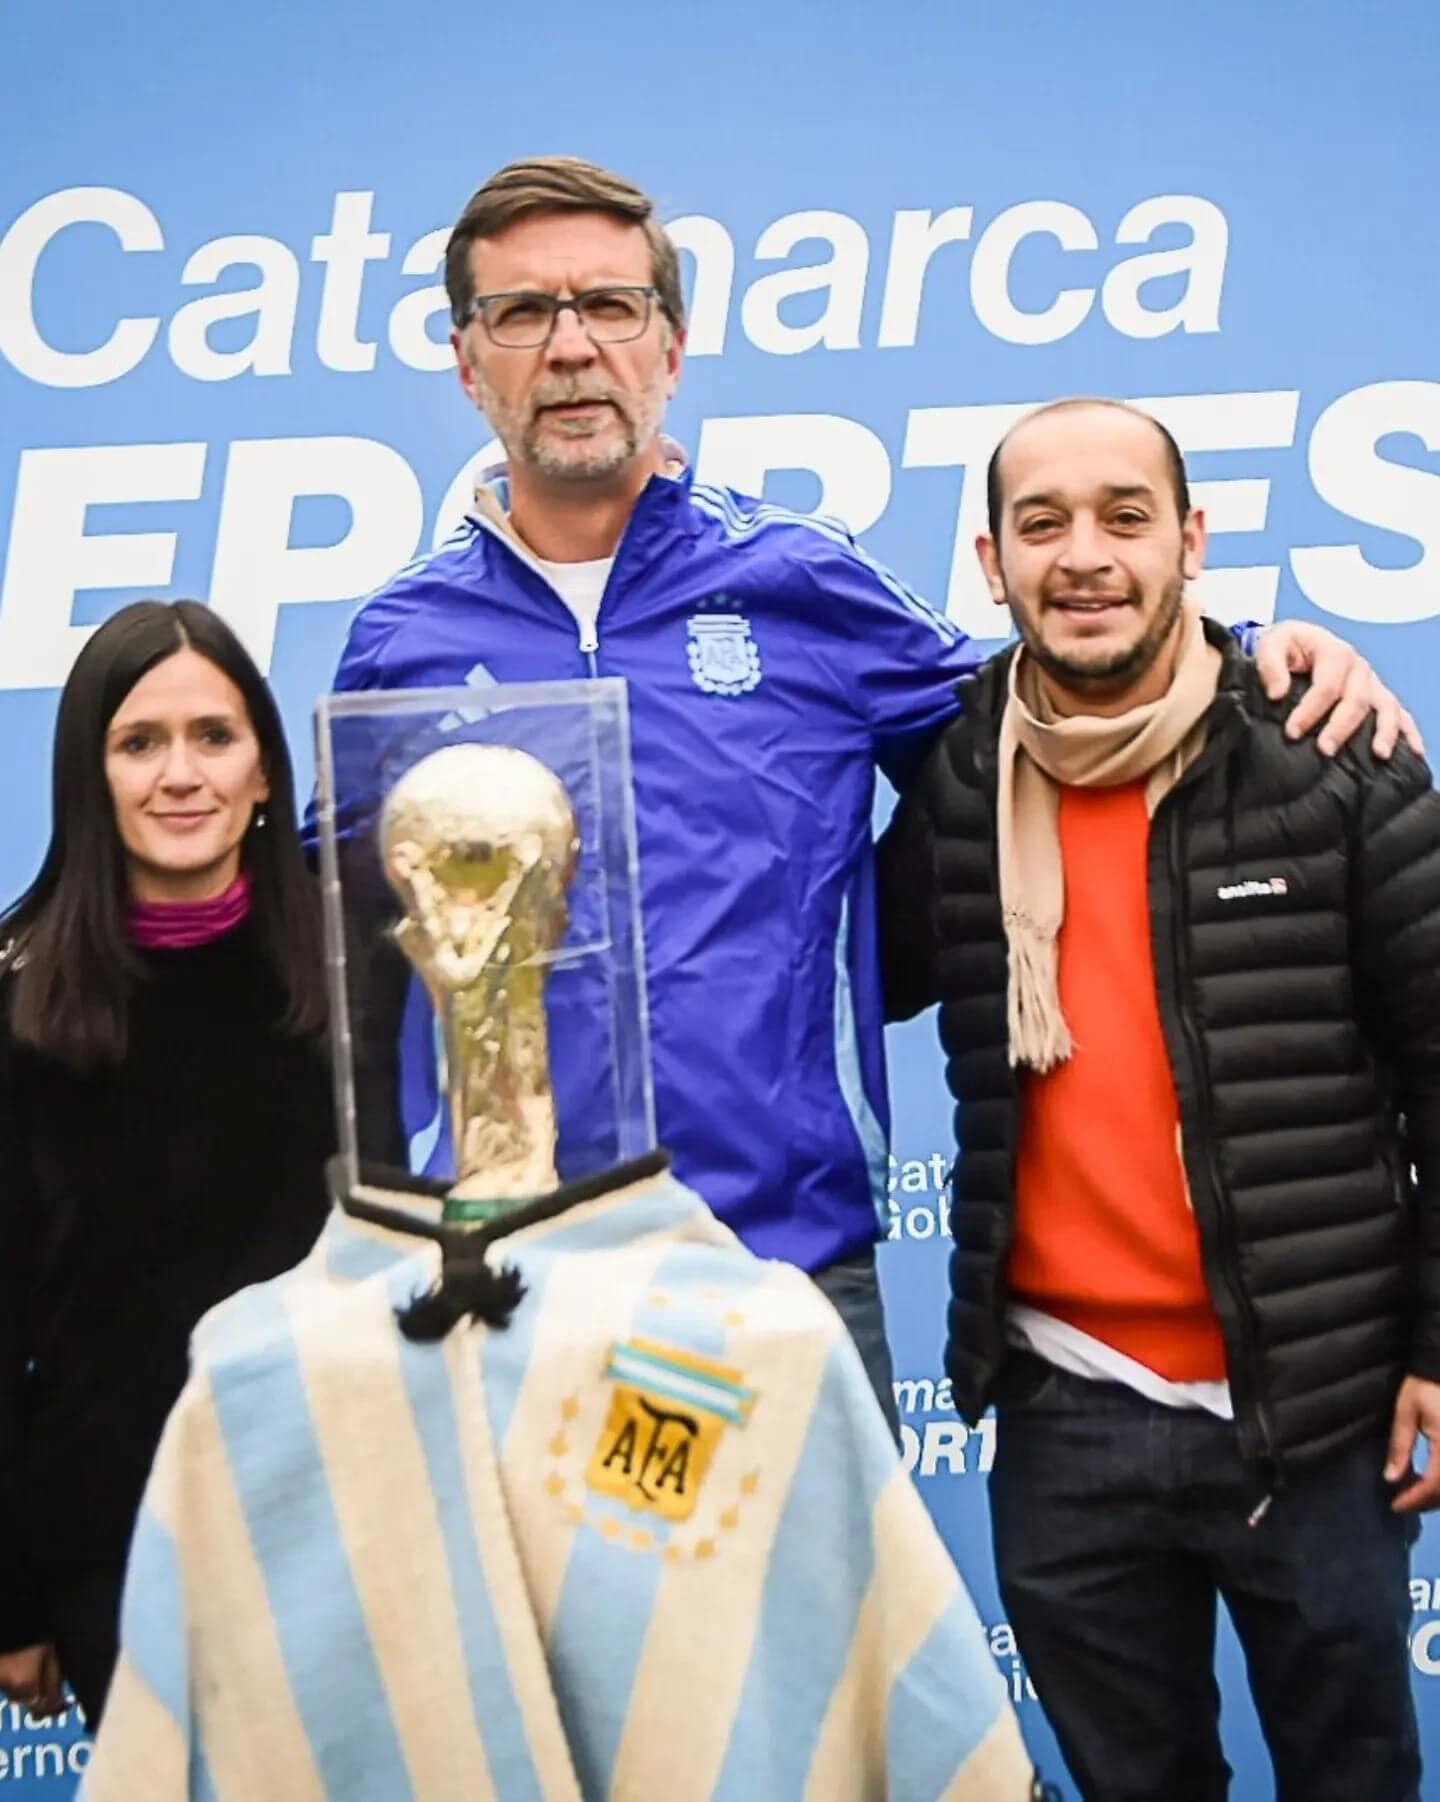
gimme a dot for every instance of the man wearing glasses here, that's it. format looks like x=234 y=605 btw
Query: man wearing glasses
x=772 y=667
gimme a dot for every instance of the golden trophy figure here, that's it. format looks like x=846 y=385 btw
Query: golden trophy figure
x=480 y=843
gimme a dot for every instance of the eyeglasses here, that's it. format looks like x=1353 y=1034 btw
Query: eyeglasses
x=524 y=320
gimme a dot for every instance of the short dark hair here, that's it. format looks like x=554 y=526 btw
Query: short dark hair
x=558 y=184
x=1180 y=486
x=71 y=962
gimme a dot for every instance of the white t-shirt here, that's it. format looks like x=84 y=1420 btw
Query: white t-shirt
x=580 y=586
x=1068 y=1349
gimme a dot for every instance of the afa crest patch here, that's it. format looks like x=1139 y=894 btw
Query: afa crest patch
x=655 y=1427
x=668 y=1411
x=724 y=658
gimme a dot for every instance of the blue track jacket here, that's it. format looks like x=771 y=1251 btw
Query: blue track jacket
x=772 y=666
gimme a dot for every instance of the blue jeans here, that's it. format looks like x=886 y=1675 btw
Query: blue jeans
x=853 y=1290
x=1117 y=1523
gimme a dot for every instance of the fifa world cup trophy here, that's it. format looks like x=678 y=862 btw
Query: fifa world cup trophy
x=480 y=843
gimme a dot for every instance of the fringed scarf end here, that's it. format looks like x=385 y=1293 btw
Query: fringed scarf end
x=1039 y=1036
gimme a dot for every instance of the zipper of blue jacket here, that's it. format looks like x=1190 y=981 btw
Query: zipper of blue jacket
x=588 y=642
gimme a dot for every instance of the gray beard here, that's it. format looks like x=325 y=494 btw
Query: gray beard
x=639 y=421
x=604 y=459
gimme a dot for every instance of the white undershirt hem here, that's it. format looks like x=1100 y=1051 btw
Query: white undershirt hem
x=1068 y=1349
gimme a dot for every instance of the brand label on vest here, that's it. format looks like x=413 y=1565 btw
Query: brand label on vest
x=1261 y=889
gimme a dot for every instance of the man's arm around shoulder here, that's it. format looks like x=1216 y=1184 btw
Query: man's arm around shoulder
x=906 y=898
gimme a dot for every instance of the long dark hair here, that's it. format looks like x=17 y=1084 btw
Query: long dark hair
x=74 y=968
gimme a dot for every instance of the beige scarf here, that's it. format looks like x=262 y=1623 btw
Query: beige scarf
x=1040 y=751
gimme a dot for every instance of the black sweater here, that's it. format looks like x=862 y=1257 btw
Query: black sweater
x=130 y=1202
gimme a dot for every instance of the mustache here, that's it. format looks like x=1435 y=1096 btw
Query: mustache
x=569 y=394
x=1092 y=591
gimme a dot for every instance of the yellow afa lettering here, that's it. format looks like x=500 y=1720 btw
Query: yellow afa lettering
x=622 y=1452
x=653 y=1454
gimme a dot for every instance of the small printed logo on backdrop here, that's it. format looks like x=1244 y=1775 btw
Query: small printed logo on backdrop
x=42 y=1757
x=1425 y=1624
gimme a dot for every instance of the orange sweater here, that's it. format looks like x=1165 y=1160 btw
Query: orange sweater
x=1104 y=1235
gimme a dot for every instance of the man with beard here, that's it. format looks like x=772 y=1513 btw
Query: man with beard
x=1189 y=976
x=772 y=666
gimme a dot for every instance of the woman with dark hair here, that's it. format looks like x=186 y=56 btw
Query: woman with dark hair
x=165 y=1104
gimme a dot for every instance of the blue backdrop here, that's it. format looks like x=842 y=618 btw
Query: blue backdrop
x=223 y=368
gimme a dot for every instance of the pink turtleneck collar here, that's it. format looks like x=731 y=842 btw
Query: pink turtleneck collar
x=177 y=925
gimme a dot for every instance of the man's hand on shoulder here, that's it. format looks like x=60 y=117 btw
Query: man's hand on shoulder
x=1417 y=1412
x=1344 y=690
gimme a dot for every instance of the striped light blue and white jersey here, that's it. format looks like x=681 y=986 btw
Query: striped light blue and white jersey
x=649 y=1540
